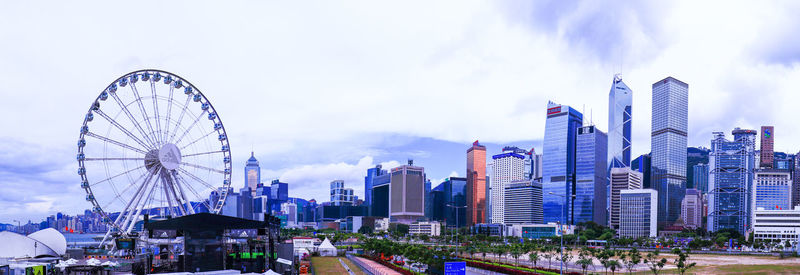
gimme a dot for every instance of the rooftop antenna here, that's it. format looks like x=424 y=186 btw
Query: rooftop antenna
x=583 y=111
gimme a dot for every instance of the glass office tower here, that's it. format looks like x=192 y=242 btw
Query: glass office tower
x=558 y=161
x=620 y=99
x=730 y=181
x=668 y=145
x=591 y=176
x=700 y=172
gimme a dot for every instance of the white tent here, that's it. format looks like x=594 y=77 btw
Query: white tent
x=326 y=248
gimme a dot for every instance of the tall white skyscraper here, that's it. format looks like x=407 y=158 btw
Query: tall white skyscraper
x=620 y=99
x=507 y=167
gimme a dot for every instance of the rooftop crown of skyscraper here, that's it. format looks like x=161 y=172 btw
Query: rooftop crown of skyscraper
x=252 y=160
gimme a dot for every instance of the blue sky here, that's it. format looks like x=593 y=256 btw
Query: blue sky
x=323 y=90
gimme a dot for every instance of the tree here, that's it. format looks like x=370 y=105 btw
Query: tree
x=604 y=257
x=534 y=257
x=516 y=251
x=613 y=265
x=567 y=256
x=584 y=261
x=654 y=263
x=631 y=259
x=546 y=253
x=680 y=262
x=366 y=230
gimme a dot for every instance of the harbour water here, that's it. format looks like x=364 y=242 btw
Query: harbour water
x=83 y=240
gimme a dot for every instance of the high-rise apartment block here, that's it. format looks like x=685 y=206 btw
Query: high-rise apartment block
x=407 y=194
x=507 y=167
x=668 y=145
x=476 y=184
x=621 y=179
x=620 y=100
x=767 y=149
x=730 y=180
x=523 y=202
x=591 y=176
x=692 y=209
x=558 y=162
x=638 y=217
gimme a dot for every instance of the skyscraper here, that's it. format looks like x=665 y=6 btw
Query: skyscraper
x=700 y=173
x=642 y=164
x=407 y=194
x=772 y=189
x=796 y=183
x=668 y=146
x=452 y=191
x=591 y=176
x=252 y=173
x=558 y=161
x=369 y=180
x=476 y=184
x=507 y=167
x=341 y=195
x=523 y=202
x=621 y=179
x=767 y=142
x=620 y=99
x=730 y=180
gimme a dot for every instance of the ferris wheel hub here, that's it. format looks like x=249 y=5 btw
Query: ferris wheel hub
x=169 y=156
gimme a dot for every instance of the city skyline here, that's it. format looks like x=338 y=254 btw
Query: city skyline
x=341 y=97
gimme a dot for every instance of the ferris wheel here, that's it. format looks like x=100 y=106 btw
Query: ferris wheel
x=152 y=143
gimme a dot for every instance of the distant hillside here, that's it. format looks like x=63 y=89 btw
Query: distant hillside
x=694 y=156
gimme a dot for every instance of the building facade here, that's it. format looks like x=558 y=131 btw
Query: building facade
x=777 y=225
x=380 y=195
x=668 y=146
x=638 y=217
x=692 y=209
x=772 y=189
x=591 y=183
x=341 y=195
x=523 y=204
x=642 y=164
x=700 y=177
x=621 y=179
x=476 y=184
x=369 y=180
x=620 y=101
x=730 y=180
x=252 y=173
x=767 y=147
x=407 y=194
x=425 y=228
x=507 y=167
x=796 y=181
x=558 y=162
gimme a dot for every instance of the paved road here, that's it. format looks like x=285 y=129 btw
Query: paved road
x=373 y=267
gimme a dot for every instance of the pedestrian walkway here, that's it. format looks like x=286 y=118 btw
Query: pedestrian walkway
x=372 y=267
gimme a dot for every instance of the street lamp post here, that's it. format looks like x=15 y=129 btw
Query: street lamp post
x=563 y=209
x=456 y=207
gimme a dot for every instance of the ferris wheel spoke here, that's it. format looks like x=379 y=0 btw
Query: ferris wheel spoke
x=197 y=179
x=104 y=159
x=190 y=127
x=144 y=114
x=199 y=139
x=191 y=189
x=169 y=113
x=126 y=211
x=157 y=134
x=119 y=126
x=142 y=205
x=133 y=120
x=119 y=194
x=202 y=167
x=178 y=188
x=120 y=174
x=120 y=144
x=170 y=192
x=180 y=118
x=203 y=153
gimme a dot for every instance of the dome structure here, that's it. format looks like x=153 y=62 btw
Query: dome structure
x=42 y=243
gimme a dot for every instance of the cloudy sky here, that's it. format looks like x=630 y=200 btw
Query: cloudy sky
x=324 y=90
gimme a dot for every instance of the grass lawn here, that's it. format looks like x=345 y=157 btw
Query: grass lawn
x=331 y=265
x=736 y=269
